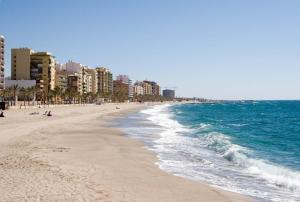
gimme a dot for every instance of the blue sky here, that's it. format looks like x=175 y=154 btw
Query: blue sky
x=231 y=49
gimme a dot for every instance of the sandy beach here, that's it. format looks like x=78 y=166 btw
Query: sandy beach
x=75 y=156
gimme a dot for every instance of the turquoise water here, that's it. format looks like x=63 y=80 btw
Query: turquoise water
x=250 y=147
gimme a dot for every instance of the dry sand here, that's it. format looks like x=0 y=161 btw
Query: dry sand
x=73 y=156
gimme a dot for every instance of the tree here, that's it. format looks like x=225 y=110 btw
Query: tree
x=15 y=90
x=32 y=93
x=22 y=93
x=57 y=92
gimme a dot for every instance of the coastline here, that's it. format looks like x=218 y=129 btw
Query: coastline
x=74 y=156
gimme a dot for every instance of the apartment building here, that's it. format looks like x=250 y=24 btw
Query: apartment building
x=74 y=83
x=29 y=65
x=61 y=79
x=104 y=80
x=138 y=90
x=155 y=88
x=121 y=90
x=42 y=69
x=147 y=88
x=94 y=81
x=126 y=80
x=86 y=80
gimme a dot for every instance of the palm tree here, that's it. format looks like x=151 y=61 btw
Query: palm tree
x=50 y=96
x=70 y=94
x=15 y=91
x=56 y=93
x=32 y=91
x=22 y=92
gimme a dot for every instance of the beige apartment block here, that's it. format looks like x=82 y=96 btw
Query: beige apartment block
x=147 y=88
x=104 y=80
x=42 y=68
x=138 y=90
x=61 y=79
x=20 y=63
x=94 y=81
x=86 y=79
x=29 y=65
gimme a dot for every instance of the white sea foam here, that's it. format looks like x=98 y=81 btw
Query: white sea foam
x=274 y=174
x=201 y=158
x=161 y=116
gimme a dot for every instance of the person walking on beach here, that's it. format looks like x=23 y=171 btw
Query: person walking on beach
x=49 y=113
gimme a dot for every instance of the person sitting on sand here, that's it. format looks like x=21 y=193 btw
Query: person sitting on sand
x=1 y=114
x=34 y=113
x=45 y=113
x=49 y=113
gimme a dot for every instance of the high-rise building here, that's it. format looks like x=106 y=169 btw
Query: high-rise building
x=86 y=80
x=155 y=88
x=20 y=63
x=126 y=80
x=29 y=65
x=147 y=88
x=42 y=69
x=74 y=82
x=121 y=90
x=169 y=94
x=61 y=78
x=93 y=74
x=104 y=80
x=87 y=77
x=2 y=46
x=138 y=89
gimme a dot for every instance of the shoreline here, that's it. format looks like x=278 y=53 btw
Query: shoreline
x=75 y=156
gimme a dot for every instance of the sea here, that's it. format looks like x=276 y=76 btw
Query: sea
x=248 y=147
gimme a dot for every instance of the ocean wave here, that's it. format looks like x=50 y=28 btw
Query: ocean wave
x=203 y=126
x=177 y=139
x=161 y=116
x=273 y=174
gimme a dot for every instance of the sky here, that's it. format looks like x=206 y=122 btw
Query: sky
x=215 y=49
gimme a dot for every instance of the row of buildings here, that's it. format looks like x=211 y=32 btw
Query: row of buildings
x=40 y=69
x=1 y=62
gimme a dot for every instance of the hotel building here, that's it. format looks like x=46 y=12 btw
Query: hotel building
x=2 y=46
